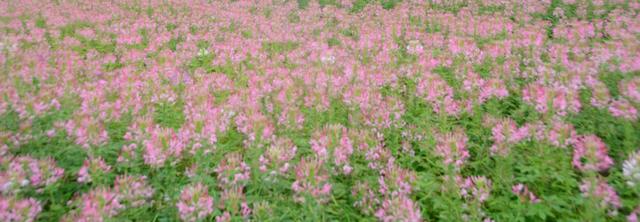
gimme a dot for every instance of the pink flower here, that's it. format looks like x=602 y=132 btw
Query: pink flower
x=195 y=203
x=622 y=108
x=97 y=205
x=345 y=148
x=560 y=98
x=134 y=191
x=414 y=47
x=438 y=93
x=311 y=179
x=505 y=133
x=600 y=190
x=559 y=133
x=232 y=171
x=631 y=89
x=590 y=154
x=452 y=148
x=476 y=188
x=277 y=156
x=633 y=217
x=319 y=145
x=522 y=191
x=14 y=209
x=395 y=180
x=163 y=144
x=92 y=167
x=25 y=171
x=399 y=208
x=600 y=94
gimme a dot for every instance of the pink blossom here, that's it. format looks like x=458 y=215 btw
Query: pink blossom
x=522 y=191
x=134 y=191
x=452 y=148
x=622 y=108
x=97 y=205
x=92 y=167
x=399 y=208
x=311 y=179
x=590 y=154
x=476 y=188
x=194 y=203
x=600 y=190
x=14 y=209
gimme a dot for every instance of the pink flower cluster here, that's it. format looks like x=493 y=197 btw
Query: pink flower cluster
x=603 y=192
x=276 y=158
x=104 y=203
x=92 y=167
x=25 y=171
x=233 y=174
x=333 y=142
x=554 y=99
x=590 y=154
x=164 y=144
x=631 y=89
x=399 y=208
x=14 y=209
x=99 y=204
x=475 y=188
x=311 y=181
x=558 y=133
x=195 y=203
x=452 y=148
x=438 y=93
x=134 y=191
x=505 y=133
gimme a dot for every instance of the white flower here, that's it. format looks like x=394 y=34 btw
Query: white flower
x=328 y=59
x=7 y=186
x=203 y=52
x=631 y=169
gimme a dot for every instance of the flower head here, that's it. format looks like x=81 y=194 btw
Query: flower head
x=452 y=148
x=590 y=154
x=195 y=203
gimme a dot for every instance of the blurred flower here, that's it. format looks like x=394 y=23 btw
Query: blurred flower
x=195 y=203
x=25 y=171
x=601 y=191
x=452 y=147
x=134 y=191
x=631 y=169
x=14 y=209
x=92 y=167
x=99 y=204
x=622 y=108
x=476 y=188
x=311 y=179
x=522 y=191
x=399 y=208
x=590 y=154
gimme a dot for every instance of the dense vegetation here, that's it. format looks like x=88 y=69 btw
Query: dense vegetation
x=329 y=110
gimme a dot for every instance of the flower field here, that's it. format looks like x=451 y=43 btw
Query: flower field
x=320 y=110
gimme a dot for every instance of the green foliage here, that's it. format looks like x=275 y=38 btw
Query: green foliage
x=10 y=120
x=169 y=115
x=303 y=4
x=279 y=47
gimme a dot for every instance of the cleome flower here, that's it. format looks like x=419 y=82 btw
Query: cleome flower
x=195 y=203
x=590 y=154
x=631 y=169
